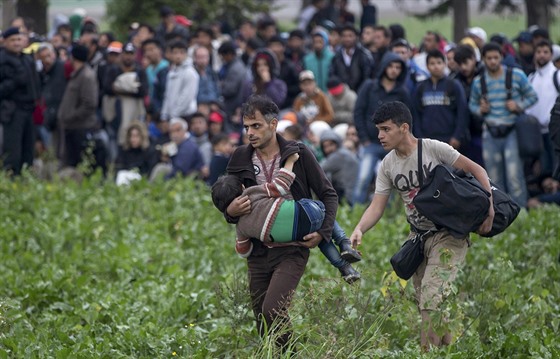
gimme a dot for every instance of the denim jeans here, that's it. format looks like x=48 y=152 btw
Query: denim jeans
x=504 y=166
x=369 y=156
x=315 y=211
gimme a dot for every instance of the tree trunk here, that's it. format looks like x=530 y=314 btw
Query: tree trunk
x=8 y=13
x=538 y=13
x=36 y=10
x=460 y=19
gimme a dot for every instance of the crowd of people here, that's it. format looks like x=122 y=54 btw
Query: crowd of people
x=167 y=101
x=286 y=114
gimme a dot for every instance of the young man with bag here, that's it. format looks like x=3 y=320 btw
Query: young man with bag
x=501 y=109
x=399 y=170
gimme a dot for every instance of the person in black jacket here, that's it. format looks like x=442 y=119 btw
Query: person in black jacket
x=554 y=129
x=352 y=63
x=137 y=153
x=53 y=86
x=19 y=91
x=388 y=86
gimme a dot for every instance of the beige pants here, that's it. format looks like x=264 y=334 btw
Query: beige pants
x=443 y=255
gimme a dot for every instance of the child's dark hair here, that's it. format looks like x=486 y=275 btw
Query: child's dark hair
x=225 y=190
x=219 y=138
x=434 y=54
x=491 y=46
x=395 y=111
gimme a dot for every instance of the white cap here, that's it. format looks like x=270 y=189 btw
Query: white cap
x=282 y=125
x=478 y=32
x=555 y=52
x=341 y=130
x=318 y=127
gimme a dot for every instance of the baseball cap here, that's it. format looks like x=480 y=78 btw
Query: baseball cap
x=115 y=46
x=306 y=75
x=478 y=32
x=129 y=47
x=335 y=86
x=216 y=117
x=524 y=36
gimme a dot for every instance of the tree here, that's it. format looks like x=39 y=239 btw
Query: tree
x=35 y=10
x=121 y=13
x=538 y=12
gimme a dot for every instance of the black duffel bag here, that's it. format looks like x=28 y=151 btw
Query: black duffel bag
x=505 y=211
x=409 y=257
x=451 y=199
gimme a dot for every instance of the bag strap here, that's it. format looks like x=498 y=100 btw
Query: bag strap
x=420 y=172
x=509 y=80
x=483 y=86
x=555 y=80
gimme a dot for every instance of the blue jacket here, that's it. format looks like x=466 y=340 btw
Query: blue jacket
x=319 y=65
x=441 y=110
x=187 y=160
x=372 y=95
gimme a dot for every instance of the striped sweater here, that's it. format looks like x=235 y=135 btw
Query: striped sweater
x=266 y=200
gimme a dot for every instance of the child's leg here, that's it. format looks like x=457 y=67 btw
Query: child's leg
x=329 y=250
x=346 y=250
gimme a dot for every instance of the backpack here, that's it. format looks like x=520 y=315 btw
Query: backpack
x=528 y=128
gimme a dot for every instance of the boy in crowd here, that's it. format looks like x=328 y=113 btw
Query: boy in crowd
x=276 y=219
x=440 y=105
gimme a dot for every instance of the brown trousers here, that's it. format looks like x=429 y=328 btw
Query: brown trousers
x=273 y=279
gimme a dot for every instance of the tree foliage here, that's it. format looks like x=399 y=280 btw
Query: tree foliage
x=121 y=13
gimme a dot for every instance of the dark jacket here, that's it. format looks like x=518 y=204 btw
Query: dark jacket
x=475 y=121
x=142 y=159
x=360 y=69
x=53 y=86
x=232 y=79
x=372 y=95
x=289 y=74
x=79 y=103
x=19 y=81
x=187 y=160
x=554 y=130
x=309 y=177
x=441 y=111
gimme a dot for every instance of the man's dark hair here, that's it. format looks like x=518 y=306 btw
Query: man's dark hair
x=276 y=39
x=395 y=111
x=226 y=48
x=148 y=27
x=63 y=27
x=385 y=30
x=263 y=104
x=399 y=43
x=544 y=43
x=348 y=27
x=219 y=138
x=397 y=31
x=255 y=43
x=434 y=54
x=463 y=53
x=178 y=44
x=205 y=29
x=297 y=33
x=152 y=41
x=437 y=36
x=491 y=46
x=264 y=23
x=225 y=190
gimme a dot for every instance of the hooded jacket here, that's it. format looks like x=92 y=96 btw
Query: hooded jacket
x=320 y=63
x=341 y=166
x=181 y=91
x=372 y=95
x=275 y=89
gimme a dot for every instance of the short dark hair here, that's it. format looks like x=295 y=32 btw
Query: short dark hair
x=263 y=104
x=463 y=53
x=226 y=48
x=491 y=46
x=385 y=30
x=205 y=29
x=348 y=27
x=276 y=39
x=152 y=42
x=434 y=54
x=395 y=111
x=225 y=190
x=178 y=44
x=296 y=131
x=297 y=33
x=219 y=138
x=544 y=43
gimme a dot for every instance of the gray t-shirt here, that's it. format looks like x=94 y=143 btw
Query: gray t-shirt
x=401 y=173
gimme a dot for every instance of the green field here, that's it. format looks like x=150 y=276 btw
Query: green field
x=149 y=271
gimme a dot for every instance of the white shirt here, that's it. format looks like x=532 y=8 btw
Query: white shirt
x=347 y=56
x=543 y=83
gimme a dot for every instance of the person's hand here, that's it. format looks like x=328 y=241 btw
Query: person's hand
x=311 y=240
x=293 y=158
x=512 y=106
x=455 y=143
x=205 y=172
x=484 y=106
x=486 y=226
x=239 y=207
x=356 y=238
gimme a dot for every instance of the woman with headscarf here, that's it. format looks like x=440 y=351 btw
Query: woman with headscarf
x=265 y=81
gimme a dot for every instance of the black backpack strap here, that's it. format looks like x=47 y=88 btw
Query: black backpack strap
x=555 y=80
x=483 y=86
x=509 y=80
x=420 y=172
